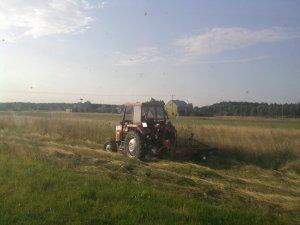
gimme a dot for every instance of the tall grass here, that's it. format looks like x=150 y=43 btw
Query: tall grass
x=253 y=139
x=268 y=145
x=61 y=128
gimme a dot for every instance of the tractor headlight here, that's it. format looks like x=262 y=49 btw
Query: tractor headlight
x=144 y=124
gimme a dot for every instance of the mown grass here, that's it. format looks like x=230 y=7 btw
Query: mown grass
x=52 y=171
x=33 y=192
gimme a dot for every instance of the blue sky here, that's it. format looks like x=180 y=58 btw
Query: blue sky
x=115 y=51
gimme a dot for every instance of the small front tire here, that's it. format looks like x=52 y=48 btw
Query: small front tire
x=110 y=146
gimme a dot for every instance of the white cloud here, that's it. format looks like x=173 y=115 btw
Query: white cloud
x=41 y=18
x=142 y=56
x=222 y=39
x=101 y=5
x=87 y=5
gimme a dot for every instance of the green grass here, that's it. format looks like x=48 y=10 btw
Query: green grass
x=53 y=171
x=32 y=192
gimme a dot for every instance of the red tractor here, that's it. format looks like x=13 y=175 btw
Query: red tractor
x=144 y=129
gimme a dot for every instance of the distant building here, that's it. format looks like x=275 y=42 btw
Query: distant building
x=78 y=107
x=178 y=108
x=69 y=110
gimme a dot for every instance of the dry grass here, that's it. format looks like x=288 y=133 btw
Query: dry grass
x=249 y=118
x=252 y=139
x=261 y=146
x=61 y=126
x=267 y=146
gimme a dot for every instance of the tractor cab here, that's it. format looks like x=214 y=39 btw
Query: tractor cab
x=144 y=113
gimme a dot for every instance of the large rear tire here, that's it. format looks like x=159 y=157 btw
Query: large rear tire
x=133 y=145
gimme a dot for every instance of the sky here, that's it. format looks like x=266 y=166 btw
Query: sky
x=115 y=51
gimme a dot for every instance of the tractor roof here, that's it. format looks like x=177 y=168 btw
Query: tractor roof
x=152 y=102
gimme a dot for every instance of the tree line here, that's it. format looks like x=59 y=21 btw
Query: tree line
x=71 y=107
x=218 y=109
x=248 y=109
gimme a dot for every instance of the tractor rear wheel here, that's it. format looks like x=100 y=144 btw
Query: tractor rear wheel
x=133 y=145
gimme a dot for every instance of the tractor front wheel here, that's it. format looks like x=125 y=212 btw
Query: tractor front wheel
x=111 y=146
x=133 y=145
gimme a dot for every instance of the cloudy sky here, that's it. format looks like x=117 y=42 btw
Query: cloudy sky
x=114 y=51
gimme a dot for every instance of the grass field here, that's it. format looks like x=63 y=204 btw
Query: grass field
x=53 y=171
